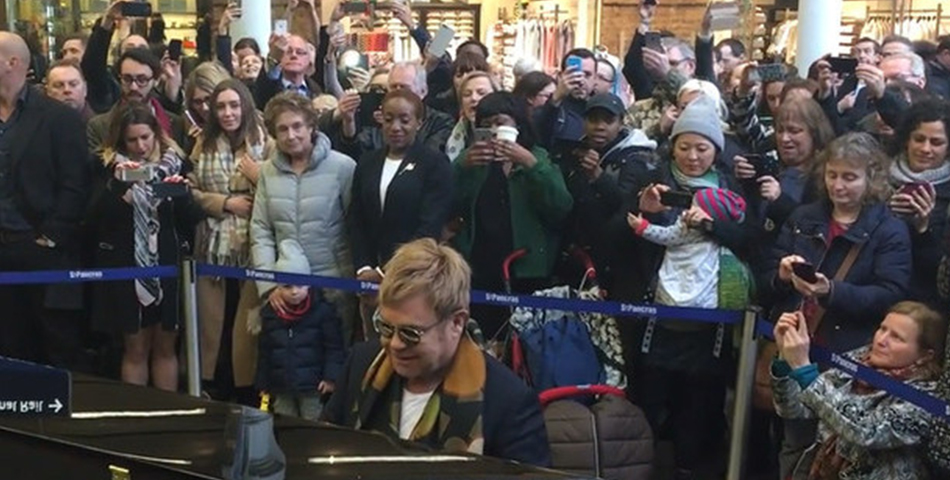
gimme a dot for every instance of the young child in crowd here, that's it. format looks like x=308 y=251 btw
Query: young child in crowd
x=301 y=344
x=692 y=272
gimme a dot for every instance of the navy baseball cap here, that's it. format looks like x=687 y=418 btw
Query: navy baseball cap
x=606 y=101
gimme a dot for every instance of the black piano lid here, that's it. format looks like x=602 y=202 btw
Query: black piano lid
x=187 y=435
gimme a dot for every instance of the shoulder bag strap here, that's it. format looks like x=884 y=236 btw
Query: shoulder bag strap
x=839 y=276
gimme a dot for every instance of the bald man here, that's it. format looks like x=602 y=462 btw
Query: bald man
x=43 y=190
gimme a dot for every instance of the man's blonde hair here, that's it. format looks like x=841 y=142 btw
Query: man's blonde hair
x=424 y=267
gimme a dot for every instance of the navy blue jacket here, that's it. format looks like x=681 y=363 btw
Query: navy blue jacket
x=294 y=357
x=878 y=279
x=562 y=122
x=928 y=249
x=512 y=423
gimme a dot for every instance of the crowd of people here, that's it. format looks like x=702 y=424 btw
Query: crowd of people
x=822 y=197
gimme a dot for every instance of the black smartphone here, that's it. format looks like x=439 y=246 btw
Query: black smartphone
x=805 y=271
x=484 y=134
x=765 y=165
x=352 y=8
x=169 y=189
x=843 y=65
x=771 y=72
x=676 y=199
x=136 y=9
x=174 y=50
x=370 y=102
x=653 y=41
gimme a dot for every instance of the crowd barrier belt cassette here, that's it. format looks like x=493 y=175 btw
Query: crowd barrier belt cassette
x=927 y=402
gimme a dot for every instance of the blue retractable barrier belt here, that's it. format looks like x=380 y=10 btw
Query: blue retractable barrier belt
x=75 y=276
x=529 y=301
x=923 y=400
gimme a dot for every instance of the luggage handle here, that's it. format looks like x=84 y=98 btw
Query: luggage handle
x=561 y=393
x=506 y=266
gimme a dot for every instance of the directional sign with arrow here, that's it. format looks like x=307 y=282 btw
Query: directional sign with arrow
x=31 y=389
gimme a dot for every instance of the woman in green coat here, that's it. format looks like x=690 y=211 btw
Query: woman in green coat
x=510 y=196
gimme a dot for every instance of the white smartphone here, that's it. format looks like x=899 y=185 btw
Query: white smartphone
x=441 y=42
x=280 y=27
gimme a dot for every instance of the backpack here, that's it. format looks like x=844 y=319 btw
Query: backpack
x=559 y=353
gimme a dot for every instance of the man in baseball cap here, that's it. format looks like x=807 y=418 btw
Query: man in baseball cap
x=599 y=169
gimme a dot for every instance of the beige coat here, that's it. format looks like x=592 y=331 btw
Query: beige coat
x=212 y=301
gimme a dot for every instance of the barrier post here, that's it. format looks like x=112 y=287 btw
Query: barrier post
x=742 y=409
x=192 y=350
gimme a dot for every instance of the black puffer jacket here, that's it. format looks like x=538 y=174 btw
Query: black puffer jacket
x=296 y=355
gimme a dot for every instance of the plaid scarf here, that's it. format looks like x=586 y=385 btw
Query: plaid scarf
x=225 y=241
x=451 y=420
x=828 y=464
x=146 y=224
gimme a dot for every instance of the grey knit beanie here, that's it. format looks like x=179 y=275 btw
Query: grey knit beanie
x=700 y=117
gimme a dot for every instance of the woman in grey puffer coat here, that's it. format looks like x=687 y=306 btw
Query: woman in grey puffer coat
x=303 y=194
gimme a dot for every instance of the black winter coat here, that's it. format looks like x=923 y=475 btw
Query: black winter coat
x=294 y=357
x=595 y=203
x=115 y=306
x=418 y=203
x=928 y=249
x=878 y=279
x=512 y=423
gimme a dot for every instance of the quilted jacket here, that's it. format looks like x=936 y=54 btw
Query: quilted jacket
x=310 y=208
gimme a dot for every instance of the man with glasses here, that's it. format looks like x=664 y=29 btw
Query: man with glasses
x=290 y=61
x=428 y=381
x=104 y=89
x=138 y=74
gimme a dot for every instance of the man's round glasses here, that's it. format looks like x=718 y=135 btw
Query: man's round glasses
x=140 y=81
x=409 y=335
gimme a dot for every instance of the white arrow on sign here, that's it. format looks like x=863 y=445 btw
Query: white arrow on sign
x=56 y=406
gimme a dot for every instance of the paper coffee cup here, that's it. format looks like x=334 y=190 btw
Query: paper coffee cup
x=505 y=132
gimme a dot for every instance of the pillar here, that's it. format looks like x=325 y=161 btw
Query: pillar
x=818 y=24
x=255 y=22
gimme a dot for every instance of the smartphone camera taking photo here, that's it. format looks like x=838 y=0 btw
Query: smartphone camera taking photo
x=676 y=199
x=174 y=50
x=136 y=9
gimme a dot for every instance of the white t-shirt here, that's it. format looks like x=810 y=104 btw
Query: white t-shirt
x=390 y=167
x=412 y=406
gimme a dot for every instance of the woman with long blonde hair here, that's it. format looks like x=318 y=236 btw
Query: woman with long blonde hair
x=227 y=158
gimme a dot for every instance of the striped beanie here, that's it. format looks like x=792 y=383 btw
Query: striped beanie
x=721 y=204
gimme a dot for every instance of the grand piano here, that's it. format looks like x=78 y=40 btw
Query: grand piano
x=119 y=432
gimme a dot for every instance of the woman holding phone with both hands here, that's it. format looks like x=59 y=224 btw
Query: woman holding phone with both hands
x=863 y=432
x=136 y=223
x=920 y=175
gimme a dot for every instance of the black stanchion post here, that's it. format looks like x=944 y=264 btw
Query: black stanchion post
x=745 y=379
x=192 y=350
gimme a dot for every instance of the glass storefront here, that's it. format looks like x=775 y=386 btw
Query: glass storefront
x=44 y=23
